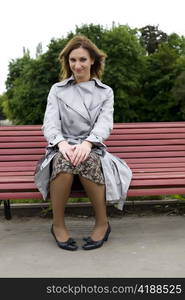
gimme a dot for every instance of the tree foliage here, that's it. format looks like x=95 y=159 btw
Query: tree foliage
x=152 y=37
x=178 y=92
x=145 y=67
x=122 y=70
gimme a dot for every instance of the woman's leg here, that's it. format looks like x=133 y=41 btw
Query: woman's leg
x=96 y=193
x=60 y=189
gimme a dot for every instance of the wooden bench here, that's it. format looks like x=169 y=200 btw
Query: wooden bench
x=154 y=151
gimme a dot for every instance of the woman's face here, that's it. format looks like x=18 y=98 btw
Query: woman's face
x=80 y=64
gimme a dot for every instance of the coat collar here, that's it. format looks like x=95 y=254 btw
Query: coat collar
x=71 y=79
x=65 y=81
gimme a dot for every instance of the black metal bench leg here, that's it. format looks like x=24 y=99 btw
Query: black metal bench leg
x=7 y=209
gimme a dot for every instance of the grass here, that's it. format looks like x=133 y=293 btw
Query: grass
x=84 y=200
x=71 y=200
x=25 y=200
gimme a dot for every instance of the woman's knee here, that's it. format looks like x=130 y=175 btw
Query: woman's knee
x=62 y=178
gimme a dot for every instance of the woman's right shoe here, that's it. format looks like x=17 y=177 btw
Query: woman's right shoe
x=91 y=244
x=70 y=244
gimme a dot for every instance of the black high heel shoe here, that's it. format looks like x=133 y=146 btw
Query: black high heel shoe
x=70 y=244
x=91 y=244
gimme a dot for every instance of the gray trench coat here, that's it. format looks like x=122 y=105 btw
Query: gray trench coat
x=78 y=112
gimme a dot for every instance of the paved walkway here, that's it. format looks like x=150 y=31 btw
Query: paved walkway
x=138 y=246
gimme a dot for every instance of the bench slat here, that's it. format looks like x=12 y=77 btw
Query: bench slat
x=116 y=125
x=131 y=193
x=149 y=130
x=159 y=175
x=17 y=186
x=177 y=161
x=114 y=140
x=21 y=128
x=136 y=172
x=156 y=192
x=20 y=179
x=147 y=167
x=123 y=135
x=131 y=161
x=147 y=182
x=143 y=192
x=154 y=160
x=9 y=139
x=20 y=195
x=133 y=124
x=159 y=170
x=21 y=151
x=16 y=173
x=21 y=164
x=150 y=124
x=28 y=177
x=152 y=148
x=147 y=154
x=20 y=133
x=158 y=182
x=17 y=168
x=23 y=145
x=142 y=142
x=19 y=157
x=154 y=136
x=36 y=155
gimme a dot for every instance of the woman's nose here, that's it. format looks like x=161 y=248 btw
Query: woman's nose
x=77 y=65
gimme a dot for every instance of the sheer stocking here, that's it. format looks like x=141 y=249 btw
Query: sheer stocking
x=96 y=194
x=60 y=189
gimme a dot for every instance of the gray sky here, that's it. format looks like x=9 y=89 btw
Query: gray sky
x=25 y=23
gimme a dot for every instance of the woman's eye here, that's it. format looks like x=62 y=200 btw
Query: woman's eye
x=83 y=59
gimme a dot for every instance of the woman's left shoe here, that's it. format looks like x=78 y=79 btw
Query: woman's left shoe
x=91 y=244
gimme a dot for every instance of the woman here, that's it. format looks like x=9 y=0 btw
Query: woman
x=78 y=118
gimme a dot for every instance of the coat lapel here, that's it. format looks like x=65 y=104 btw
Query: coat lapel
x=80 y=97
x=74 y=101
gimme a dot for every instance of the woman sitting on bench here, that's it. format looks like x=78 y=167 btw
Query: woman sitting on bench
x=78 y=118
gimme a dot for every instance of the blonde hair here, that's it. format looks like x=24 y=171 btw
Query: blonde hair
x=96 y=54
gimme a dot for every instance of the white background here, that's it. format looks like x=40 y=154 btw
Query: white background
x=25 y=23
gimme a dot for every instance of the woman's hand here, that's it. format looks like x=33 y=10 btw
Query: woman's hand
x=81 y=152
x=66 y=149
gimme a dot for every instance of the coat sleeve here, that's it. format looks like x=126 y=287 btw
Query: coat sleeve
x=104 y=123
x=52 y=122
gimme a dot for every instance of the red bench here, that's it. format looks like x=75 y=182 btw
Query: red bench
x=154 y=151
